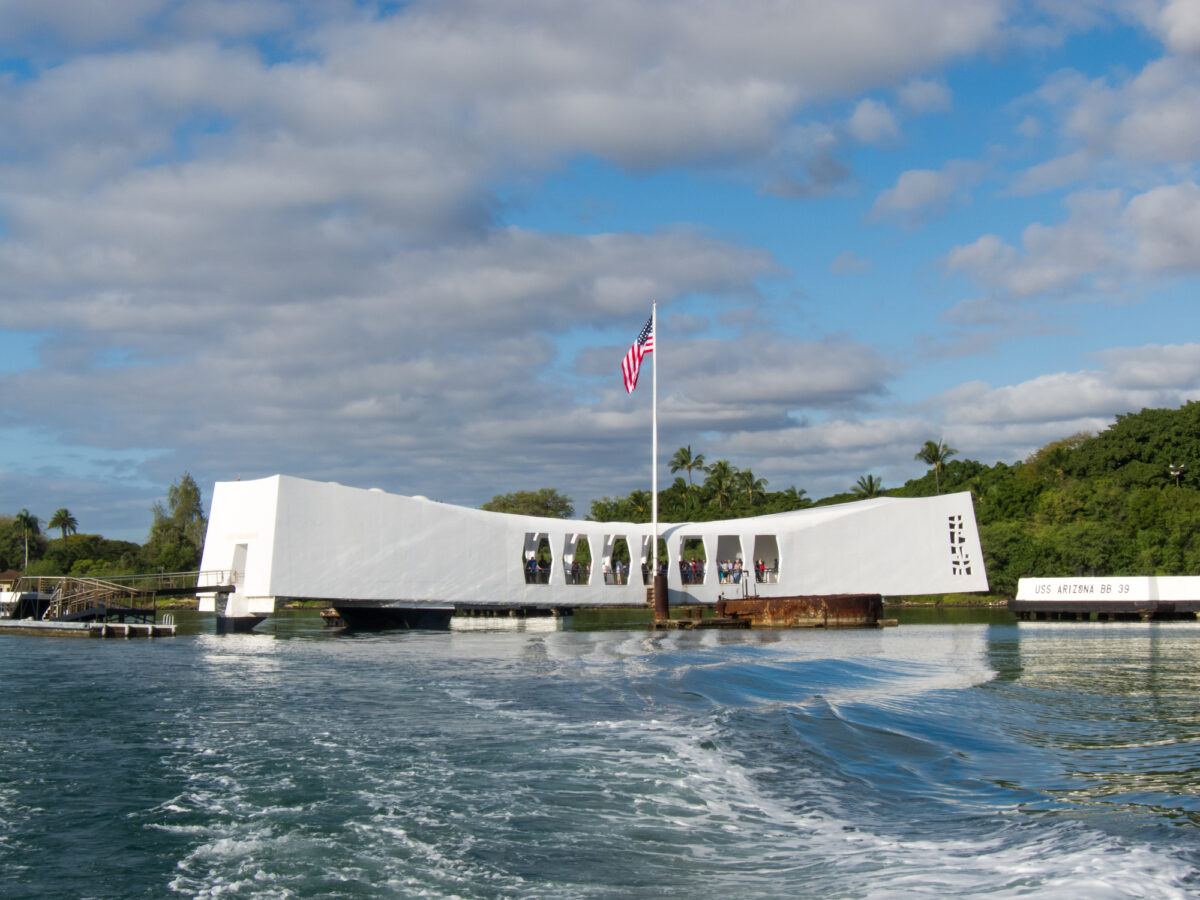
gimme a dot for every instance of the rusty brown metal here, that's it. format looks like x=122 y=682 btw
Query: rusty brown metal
x=662 y=611
x=812 y=611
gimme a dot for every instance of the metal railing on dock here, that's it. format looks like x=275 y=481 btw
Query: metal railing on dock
x=66 y=598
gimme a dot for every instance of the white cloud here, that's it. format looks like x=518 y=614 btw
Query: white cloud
x=982 y=421
x=1179 y=23
x=825 y=457
x=1053 y=173
x=232 y=17
x=922 y=95
x=302 y=258
x=1084 y=253
x=1174 y=368
x=920 y=194
x=1145 y=120
x=872 y=122
x=77 y=22
x=1088 y=254
x=1166 y=222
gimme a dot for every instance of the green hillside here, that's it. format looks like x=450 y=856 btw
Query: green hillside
x=1094 y=505
x=1103 y=504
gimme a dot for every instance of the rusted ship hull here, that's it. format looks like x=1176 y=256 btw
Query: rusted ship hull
x=814 y=611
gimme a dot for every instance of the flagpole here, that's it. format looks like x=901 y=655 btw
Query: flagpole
x=654 y=437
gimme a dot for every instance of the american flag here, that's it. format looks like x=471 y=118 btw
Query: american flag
x=632 y=363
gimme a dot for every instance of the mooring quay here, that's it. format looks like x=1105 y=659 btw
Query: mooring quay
x=122 y=606
x=165 y=627
x=1116 y=599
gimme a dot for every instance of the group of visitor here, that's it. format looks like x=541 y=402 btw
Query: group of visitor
x=691 y=571
x=731 y=571
x=537 y=571
x=617 y=573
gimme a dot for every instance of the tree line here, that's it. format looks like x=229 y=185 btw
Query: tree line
x=1121 y=502
x=724 y=492
x=174 y=544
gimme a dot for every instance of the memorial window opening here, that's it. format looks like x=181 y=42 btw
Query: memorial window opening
x=731 y=563
x=537 y=560
x=577 y=560
x=617 y=560
x=766 y=559
x=693 y=560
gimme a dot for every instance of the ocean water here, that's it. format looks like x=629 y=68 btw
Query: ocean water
x=925 y=760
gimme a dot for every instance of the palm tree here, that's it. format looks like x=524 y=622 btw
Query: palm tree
x=721 y=482
x=935 y=454
x=795 y=498
x=639 y=506
x=64 y=521
x=28 y=523
x=868 y=486
x=685 y=461
x=755 y=488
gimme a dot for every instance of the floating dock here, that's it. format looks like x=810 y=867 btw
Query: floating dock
x=1144 y=598
x=165 y=628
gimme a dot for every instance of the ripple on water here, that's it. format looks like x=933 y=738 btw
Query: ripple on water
x=919 y=761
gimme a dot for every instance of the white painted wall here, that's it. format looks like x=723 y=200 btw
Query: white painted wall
x=1115 y=589
x=308 y=539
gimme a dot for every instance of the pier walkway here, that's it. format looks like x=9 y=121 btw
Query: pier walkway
x=128 y=602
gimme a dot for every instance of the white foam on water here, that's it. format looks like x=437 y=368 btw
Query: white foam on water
x=686 y=793
x=655 y=795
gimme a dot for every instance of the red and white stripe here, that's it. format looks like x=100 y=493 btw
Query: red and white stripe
x=632 y=363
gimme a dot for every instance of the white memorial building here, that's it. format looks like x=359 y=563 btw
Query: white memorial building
x=373 y=554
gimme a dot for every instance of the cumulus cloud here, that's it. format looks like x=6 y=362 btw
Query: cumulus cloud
x=1083 y=253
x=1144 y=120
x=1088 y=254
x=922 y=95
x=1179 y=24
x=295 y=259
x=983 y=421
x=1166 y=222
x=819 y=456
x=1053 y=173
x=872 y=122
x=1007 y=422
x=1173 y=368
x=920 y=194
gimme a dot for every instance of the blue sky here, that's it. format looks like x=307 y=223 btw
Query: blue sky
x=406 y=245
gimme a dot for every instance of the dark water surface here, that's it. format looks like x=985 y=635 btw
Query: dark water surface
x=927 y=760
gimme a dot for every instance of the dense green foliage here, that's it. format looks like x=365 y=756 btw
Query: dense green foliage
x=174 y=544
x=87 y=555
x=543 y=502
x=176 y=538
x=1104 y=504
x=12 y=544
x=726 y=492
